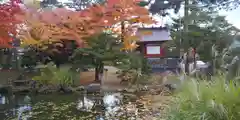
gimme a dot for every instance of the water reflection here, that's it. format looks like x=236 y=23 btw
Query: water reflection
x=3 y=99
x=24 y=109
x=111 y=104
x=107 y=105
x=85 y=104
x=3 y=104
x=10 y=106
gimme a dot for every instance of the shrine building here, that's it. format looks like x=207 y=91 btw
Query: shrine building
x=153 y=47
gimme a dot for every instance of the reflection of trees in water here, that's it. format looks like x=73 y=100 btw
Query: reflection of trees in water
x=108 y=105
x=2 y=100
x=99 y=102
x=5 y=106
x=100 y=105
x=11 y=105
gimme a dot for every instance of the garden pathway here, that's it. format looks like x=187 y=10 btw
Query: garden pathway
x=110 y=81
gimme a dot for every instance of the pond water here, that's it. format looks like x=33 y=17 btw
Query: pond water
x=107 y=106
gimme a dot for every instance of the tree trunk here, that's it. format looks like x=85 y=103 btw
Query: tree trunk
x=1 y=57
x=96 y=73
x=99 y=71
x=194 y=58
x=187 y=64
x=185 y=27
x=101 y=68
x=122 y=31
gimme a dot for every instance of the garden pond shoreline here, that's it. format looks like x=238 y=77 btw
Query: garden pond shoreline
x=129 y=102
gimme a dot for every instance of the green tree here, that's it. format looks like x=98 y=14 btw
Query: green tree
x=160 y=6
x=104 y=49
x=206 y=28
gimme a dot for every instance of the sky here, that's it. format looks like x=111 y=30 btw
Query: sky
x=232 y=16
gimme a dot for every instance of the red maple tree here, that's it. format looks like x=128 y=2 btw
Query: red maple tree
x=62 y=24
x=8 y=22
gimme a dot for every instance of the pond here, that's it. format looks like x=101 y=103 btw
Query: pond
x=107 y=106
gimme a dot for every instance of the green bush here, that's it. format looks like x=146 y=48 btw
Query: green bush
x=206 y=100
x=50 y=74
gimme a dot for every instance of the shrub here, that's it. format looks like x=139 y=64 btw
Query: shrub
x=206 y=100
x=50 y=74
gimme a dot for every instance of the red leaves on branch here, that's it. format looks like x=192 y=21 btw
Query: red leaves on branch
x=8 y=22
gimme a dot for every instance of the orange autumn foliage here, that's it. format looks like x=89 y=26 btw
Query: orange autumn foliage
x=63 y=24
x=58 y=24
x=131 y=16
x=126 y=10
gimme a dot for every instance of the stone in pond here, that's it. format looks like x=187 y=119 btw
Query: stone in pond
x=80 y=88
x=131 y=90
x=92 y=88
